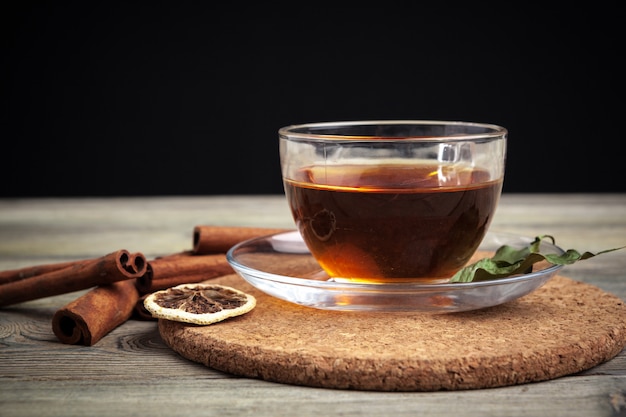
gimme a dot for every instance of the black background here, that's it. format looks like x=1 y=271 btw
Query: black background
x=185 y=98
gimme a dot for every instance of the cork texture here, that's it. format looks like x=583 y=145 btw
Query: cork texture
x=562 y=328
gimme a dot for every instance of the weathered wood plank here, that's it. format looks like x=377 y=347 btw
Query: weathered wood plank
x=131 y=372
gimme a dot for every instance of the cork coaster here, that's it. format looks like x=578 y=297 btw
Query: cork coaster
x=564 y=327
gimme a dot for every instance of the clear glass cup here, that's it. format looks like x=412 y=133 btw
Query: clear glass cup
x=392 y=200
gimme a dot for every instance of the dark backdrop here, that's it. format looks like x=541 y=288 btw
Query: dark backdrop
x=185 y=98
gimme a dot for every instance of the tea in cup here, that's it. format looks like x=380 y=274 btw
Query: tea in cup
x=395 y=200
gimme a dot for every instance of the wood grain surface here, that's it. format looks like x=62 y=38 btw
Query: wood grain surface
x=131 y=371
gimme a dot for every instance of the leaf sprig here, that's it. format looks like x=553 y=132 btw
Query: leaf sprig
x=509 y=261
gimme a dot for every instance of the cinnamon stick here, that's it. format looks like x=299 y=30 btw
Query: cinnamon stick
x=209 y=239
x=177 y=255
x=140 y=312
x=31 y=271
x=172 y=270
x=92 y=316
x=116 y=266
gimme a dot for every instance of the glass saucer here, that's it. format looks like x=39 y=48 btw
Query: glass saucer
x=281 y=265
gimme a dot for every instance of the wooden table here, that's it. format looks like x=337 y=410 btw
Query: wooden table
x=132 y=372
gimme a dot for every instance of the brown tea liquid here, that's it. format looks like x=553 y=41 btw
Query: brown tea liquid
x=389 y=223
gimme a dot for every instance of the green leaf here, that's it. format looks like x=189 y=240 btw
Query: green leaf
x=508 y=261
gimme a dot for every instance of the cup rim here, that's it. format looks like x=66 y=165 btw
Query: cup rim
x=296 y=131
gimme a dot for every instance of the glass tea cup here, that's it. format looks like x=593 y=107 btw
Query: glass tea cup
x=392 y=200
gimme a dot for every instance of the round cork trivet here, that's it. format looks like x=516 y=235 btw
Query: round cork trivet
x=564 y=327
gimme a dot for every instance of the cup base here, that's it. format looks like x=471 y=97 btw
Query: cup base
x=383 y=281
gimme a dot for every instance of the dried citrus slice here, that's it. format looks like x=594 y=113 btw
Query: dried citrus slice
x=198 y=303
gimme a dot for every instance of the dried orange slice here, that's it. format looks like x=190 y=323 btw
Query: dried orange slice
x=198 y=303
